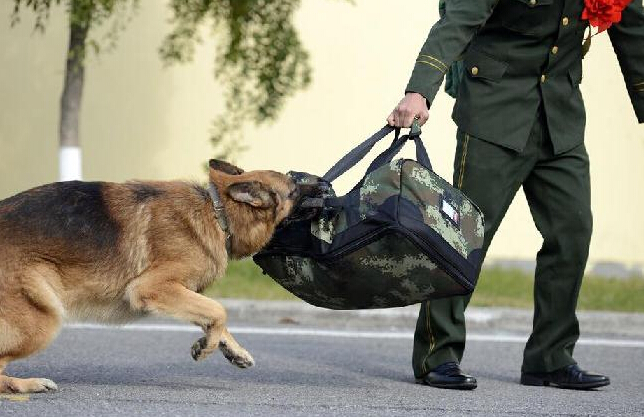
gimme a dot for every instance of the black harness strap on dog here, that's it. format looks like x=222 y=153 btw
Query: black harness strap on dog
x=220 y=214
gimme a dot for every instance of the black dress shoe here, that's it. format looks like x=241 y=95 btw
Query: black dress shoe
x=448 y=375
x=570 y=377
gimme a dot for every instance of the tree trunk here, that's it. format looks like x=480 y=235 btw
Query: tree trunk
x=70 y=101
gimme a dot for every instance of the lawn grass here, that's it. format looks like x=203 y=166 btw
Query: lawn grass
x=244 y=279
x=513 y=288
x=496 y=287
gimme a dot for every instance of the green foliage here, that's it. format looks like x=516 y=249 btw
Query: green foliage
x=245 y=280
x=259 y=58
x=84 y=15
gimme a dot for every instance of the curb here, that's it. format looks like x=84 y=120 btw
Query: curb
x=498 y=320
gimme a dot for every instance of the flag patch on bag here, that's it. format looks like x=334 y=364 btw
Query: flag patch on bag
x=450 y=212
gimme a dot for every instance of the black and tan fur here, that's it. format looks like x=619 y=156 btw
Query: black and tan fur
x=111 y=253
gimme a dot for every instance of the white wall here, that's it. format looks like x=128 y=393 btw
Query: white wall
x=140 y=120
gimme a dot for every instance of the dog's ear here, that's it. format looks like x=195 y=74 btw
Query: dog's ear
x=252 y=193
x=225 y=167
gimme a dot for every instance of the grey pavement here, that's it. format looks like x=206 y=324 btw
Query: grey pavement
x=478 y=319
x=311 y=367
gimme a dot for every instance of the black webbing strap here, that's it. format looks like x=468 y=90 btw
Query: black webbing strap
x=356 y=155
x=386 y=156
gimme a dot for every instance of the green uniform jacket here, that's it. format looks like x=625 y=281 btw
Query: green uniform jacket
x=517 y=55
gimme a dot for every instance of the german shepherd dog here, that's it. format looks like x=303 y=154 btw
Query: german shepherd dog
x=111 y=253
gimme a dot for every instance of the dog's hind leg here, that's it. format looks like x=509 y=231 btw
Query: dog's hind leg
x=149 y=294
x=23 y=385
x=28 y=322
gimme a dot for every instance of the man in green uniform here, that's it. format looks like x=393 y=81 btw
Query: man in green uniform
x=521 y=121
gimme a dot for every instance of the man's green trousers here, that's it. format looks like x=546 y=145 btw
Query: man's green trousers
x=557 y=188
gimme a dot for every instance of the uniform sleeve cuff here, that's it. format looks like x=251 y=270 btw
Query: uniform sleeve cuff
x=426 y=80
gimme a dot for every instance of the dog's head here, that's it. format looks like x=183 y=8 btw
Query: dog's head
x=255 y=202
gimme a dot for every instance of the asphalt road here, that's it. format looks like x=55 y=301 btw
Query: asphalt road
x=148 y=371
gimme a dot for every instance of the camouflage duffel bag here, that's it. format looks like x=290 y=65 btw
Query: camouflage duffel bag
x=401 y=236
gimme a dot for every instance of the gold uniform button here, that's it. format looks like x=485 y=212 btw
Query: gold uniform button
x=475 y=70
x=565 y=21
x=543 y=78
x=555 y=49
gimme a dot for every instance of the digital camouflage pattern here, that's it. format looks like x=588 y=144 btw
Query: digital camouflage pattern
x=379 y=265
x=427 y=189
x=365 y=278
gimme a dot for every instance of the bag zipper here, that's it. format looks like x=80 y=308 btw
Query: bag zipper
x=366 y=239
x=355 y=245
x=434 y=254
x=450 y=269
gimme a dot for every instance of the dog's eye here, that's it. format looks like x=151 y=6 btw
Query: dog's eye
x=275 y=197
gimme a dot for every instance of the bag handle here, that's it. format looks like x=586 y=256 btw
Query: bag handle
x=359 y=152
x=384 y=158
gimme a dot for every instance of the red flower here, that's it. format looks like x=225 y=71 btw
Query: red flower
x=603 y=13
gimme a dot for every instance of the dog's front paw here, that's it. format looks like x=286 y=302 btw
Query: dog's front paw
x=198 y=349
x=238 y=357
x=243 y=360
